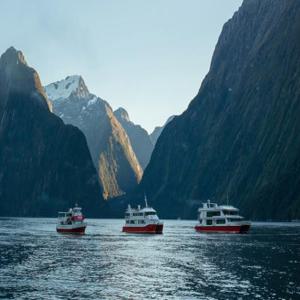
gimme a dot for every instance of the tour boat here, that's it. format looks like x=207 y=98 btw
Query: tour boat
x=221 y=219
x=71 y=221
x=142 y=220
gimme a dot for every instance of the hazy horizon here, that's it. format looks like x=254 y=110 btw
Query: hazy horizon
x=148 y=57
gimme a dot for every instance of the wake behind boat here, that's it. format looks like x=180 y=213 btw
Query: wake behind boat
x=71 y=221
x=221 y=219
x=142 y=220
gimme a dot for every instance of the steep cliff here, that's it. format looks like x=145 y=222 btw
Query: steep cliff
x=118 y=168
x=139 y=137
x=45 y=166
x=158 y=130
x=240 y=134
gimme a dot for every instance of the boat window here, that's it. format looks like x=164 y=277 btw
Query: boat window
x=137 y=214
x=200 y=221
x=141 y=222
x=230 y=212
x=208 y=222
x=127 y=221
x=210 y=214
x=150 y=213
x=131 y=221
x=220 y=221
x=127 y=214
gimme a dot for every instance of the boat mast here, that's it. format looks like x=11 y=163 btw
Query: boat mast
x=146 y=203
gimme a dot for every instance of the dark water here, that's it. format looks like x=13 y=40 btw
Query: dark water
x=38 y=263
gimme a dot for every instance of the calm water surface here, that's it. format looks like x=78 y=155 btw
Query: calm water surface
x=38 y=263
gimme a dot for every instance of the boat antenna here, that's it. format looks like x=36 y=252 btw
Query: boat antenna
x=146 y=200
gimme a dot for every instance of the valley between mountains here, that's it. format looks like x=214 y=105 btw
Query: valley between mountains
x=239 y=137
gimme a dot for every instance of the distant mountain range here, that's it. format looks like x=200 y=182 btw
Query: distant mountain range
x=45 y=166
x=120 y=149
x=111 y=150
x=240 y=134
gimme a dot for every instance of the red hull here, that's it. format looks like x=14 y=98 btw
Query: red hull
x=79 y=230
x=151 y=228
x=223 y=229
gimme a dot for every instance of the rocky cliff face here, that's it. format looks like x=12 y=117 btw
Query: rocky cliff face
x=158 y=130
x=118 y=168
x=240 y=135
x=139 y=137
x=45 y=166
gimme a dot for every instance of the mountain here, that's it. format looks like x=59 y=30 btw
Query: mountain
x=158 y=130
x=71 y=86
x=139 y=137
x=118 y=168
x=240 y=134
x=45 y=166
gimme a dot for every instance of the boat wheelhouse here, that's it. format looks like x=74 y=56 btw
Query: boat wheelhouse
x=223 y=219
x=71 y=221
x=142 y=220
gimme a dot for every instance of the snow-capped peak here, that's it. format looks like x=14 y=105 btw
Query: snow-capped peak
x=64 y=88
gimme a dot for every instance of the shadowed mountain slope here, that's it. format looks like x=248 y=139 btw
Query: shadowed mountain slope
x=240 y=134
x=139 y=137
x=45 y=166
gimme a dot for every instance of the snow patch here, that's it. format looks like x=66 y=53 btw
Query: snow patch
x=92 y=101
x=63 y=89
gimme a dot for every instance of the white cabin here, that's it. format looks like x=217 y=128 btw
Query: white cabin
x=211 y=214
x=74 y=215
x=146 y=215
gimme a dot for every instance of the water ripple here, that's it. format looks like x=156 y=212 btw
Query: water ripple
x=38 y=263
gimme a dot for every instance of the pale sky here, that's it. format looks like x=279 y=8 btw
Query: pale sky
x=146 y=56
